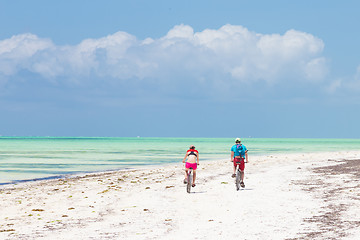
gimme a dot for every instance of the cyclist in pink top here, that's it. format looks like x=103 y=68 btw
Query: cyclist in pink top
x=192 y=156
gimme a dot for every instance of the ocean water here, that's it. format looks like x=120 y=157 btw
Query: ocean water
x=31 y=158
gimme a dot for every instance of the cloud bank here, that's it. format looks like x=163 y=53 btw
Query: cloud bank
x=231 y=53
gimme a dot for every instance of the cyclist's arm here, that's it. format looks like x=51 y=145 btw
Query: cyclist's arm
x=197 y=157
x=232 y=156
x=246 y=157
x=185 y=158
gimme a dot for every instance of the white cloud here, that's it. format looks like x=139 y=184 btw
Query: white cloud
x=180 y=31
x=294 y=55
x=334 y=86
x=346 y=84
x=17 y=50
x=229 y=51
x=22 y=46
x=316 y=69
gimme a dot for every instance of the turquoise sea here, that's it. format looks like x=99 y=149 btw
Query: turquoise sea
x=29 y=158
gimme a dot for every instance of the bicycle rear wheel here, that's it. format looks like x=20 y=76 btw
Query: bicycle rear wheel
x=237 y=180
x=189 y=181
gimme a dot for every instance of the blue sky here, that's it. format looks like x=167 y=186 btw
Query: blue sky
x=180 y=68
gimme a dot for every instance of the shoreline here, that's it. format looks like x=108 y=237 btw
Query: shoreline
x=287 y=196
x=139 y=167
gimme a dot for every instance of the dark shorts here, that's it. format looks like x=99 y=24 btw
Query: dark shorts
x=240 y=162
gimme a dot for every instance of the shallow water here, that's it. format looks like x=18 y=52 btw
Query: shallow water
x=46 y=157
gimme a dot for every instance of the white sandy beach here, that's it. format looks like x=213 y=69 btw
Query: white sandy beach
x=293 y=196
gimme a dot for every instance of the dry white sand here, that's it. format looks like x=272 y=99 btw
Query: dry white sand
x=293 y=196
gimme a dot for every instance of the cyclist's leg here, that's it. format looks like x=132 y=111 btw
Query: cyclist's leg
x=234 y=167
x=186 y=175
